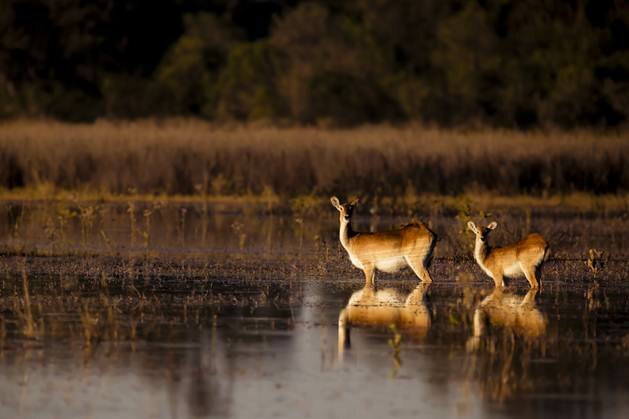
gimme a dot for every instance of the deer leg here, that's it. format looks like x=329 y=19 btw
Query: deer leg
x=370 y=273
x=537 y=270
x=417 y=265
x=498 y=279
x=530 y=275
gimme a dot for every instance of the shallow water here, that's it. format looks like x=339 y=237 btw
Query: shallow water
x=276 y=349
x=305 y=341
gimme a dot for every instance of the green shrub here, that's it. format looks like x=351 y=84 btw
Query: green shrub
x=246 y=87
x=190 y=70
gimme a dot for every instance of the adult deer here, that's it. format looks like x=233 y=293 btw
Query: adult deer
x=387 y=251
x=519 y=259
x=369 y=307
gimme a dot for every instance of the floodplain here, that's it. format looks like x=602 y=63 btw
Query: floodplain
x=162 y=309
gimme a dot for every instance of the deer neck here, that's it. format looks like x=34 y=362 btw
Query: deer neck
x=345 y=233
x=480 y=252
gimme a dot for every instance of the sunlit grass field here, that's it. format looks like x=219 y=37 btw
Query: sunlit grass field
x=387 y=166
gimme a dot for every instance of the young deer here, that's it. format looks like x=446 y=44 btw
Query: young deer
x=387 y=251
x=508 y=311
x=521 y=258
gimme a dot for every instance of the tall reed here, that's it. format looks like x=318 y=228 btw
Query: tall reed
x=196 y=158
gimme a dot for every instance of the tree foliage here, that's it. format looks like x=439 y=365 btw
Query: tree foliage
x=506 y=63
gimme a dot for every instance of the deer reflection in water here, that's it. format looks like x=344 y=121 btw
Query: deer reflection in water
x=508 y=332
x=510 y=311
x=388 y=307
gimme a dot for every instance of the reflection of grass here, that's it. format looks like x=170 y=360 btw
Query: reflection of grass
x=395 y=342
x=89 y=322
x=28 y=327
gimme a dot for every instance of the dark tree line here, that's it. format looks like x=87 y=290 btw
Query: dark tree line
x=506 y=63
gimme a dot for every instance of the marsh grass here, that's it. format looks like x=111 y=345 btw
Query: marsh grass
x=158 y=229
x=595 y=260
x=154 y=241
x=193 y=159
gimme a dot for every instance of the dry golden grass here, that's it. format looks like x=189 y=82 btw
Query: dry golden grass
x=129 y=136
x=316 y=204
x=194 y=158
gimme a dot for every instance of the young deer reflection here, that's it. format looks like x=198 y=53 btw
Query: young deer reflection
x=508 y=311
x=521 y=258
x=369 y=307
x=387 y=251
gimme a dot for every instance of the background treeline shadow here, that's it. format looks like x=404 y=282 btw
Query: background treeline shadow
x=451 y=62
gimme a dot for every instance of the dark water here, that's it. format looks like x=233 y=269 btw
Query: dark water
x=305 y=341
x=276 y=349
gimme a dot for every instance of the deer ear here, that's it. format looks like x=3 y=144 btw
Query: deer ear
x=492 y=225
x=471 y=226
x=354 y=201
x=335 y=202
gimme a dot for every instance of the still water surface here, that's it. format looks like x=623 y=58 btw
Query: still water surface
x=267 y=350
